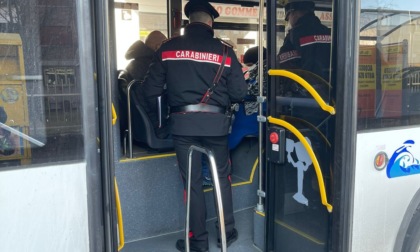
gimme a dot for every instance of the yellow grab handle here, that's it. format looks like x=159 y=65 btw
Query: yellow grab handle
x=311 y=155
x=306 y=85
x=119 y=215
x=114 y=114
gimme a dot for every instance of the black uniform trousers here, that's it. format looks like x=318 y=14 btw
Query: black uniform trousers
x=219 y=146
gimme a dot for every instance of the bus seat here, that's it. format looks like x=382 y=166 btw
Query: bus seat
x=143 y=130
x=243 y=126
x=141 y=125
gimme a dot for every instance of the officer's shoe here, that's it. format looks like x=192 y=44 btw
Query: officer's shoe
x=230 y=238
x=180 y=245
x=207 y=181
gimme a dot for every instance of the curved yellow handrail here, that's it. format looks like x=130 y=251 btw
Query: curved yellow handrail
x=311 y=155
x=119 y=215
x=306 y=85
x=114 y=114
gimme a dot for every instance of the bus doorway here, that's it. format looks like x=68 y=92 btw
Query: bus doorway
x=149 y=183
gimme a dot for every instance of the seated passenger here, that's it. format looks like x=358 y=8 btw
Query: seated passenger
x=142 y=55
x=245 y=123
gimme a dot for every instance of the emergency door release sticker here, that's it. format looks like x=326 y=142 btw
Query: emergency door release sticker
x=403 y=162
x=301 y=164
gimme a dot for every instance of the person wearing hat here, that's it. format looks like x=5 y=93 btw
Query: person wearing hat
x=141 y=54
x=199 y=102
x=246 y=123
x=307 y=45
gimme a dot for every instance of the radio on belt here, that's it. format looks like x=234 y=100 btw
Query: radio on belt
x=276 y=143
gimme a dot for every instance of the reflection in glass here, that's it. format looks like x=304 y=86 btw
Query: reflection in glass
x=39 y=83
x=389 y=61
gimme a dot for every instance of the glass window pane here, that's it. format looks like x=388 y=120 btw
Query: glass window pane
x=40 y=85
x=389 y=64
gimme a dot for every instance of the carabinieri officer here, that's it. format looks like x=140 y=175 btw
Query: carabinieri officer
x=201 y=85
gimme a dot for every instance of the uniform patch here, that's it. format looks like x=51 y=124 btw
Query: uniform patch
x=289 y=55
x=315 y=39
x=205 y=57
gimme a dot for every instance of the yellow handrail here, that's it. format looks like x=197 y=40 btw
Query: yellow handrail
x=119 y=215
x=114 y=114
x=306 y=85
x=311 y=155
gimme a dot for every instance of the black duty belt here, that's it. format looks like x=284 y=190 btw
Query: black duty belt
x=201 y=107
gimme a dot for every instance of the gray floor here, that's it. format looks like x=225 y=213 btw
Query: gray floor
x=166 y=243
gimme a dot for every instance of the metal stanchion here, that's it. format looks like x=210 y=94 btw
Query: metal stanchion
x=130 y=131
x=216 y=182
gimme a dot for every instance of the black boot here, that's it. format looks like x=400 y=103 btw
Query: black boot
x=230 y=238
x=194 y=247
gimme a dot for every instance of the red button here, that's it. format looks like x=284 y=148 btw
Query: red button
x=274 y=137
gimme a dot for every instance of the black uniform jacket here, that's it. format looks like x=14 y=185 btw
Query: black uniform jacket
x=142 y=57
x=307 y=46
x=188 y=65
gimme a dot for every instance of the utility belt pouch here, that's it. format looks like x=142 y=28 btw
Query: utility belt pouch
x=230 y=113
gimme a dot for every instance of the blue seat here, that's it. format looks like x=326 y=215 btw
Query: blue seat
x=243 y=126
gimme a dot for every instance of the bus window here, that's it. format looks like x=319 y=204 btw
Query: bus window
x=133 y=23
x=49 y=133
x=40 y=84
x=389 y=65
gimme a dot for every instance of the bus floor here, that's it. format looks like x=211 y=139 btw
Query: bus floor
x=166 y=243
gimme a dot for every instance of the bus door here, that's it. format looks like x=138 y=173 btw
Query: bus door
x=299 y=137
x=367 y=152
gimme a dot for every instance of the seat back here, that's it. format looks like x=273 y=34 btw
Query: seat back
x=123 y=79
x=143 y=130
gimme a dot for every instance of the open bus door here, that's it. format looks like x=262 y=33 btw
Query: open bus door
x=344 y=174
x=299 y=148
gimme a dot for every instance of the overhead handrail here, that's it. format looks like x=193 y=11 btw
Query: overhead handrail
x=306 y=85
x=121 y=241
x=216 y=183
x=311 y=153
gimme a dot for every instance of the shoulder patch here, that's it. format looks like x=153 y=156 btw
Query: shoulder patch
x=225 y=43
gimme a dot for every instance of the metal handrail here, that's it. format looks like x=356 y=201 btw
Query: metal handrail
x=130 y=133
x=306 y=85
x=260 y=193
x=216 y=182
x=311 y=153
